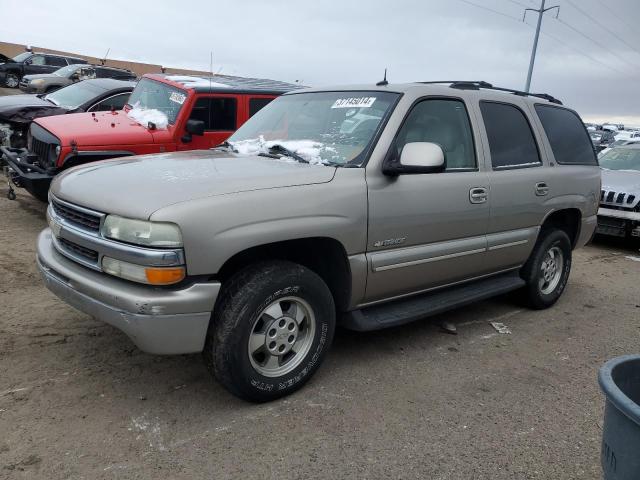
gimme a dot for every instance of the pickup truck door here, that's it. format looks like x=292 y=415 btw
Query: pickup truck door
x=429 y=230
x=520 y=182
x=220 y=114
x=36 y=64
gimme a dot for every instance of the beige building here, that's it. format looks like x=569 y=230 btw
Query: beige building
x=13 y=49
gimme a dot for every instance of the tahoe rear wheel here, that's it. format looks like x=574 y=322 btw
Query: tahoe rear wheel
x=272 y=326
x=547 y=270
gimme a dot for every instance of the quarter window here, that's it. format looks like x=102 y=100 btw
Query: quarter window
x=218 y=114
x=511 y=141
x=257 y=104
x=446 y=123
x=567 y=136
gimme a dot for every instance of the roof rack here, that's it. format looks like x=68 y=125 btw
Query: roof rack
x=478 y=84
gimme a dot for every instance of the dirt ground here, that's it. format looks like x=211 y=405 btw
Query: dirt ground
x=9 y=91
x=79 y=401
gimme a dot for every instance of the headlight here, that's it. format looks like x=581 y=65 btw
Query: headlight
x=142 y=232
x=37 y=82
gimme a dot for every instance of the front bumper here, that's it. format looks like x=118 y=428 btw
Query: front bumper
x=157 y=320
x=618 y=223
x=26 y=175
x=27 y=88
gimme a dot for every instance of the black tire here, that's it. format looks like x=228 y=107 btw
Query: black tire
x=534 y=295
x=240 y=308
x=12 y=80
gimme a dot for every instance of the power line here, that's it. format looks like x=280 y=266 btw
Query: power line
x=607 y=7
x=518 y=3
x=604 y=47
x=490 y=10
x=586 y=14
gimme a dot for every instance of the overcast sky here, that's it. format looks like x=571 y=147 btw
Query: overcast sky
x=591 y=64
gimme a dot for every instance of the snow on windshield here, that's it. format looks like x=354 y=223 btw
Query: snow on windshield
x=316 y=153
x=146 y=115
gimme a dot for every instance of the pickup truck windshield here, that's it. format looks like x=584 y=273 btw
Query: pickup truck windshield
x=621 y=159
x=152 y=95
x=66 y=71
x=321 y=127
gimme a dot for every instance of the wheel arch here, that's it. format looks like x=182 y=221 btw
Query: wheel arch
x=325 y=256
x=567 y=219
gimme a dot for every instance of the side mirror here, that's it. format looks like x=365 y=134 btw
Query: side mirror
x=417 y=157
x=193 y=127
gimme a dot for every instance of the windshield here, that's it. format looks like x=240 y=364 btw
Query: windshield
x=74 y=95
x=22 y=57
x=320 y=127
x=152 y=95
x=621 y=159
x=66 y=71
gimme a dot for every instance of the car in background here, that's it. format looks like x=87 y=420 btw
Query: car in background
x=164 y=113
x=18 y=111
x=619 y=212
x=48 y=82
x=30 y=63
x=619 y=143
x=601 y=139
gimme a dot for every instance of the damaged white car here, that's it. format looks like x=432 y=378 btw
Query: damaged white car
x=619 y=213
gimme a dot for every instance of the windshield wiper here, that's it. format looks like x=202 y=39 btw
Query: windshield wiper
x=226 y=145
x=277 y=148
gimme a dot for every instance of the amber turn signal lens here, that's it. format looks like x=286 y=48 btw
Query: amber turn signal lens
x=164 y=276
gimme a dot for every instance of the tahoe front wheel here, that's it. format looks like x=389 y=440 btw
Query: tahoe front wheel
x=271 y=329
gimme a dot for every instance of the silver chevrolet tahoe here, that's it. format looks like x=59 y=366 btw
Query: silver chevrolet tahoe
x=366 y=206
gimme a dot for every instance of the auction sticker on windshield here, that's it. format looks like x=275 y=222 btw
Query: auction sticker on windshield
x=177 y=97
x=357 y=102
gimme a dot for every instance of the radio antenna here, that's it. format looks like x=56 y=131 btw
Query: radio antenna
x=104 y=60
x=383 y=82
x=210 y=70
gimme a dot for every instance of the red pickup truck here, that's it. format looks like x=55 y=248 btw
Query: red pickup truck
x=164 y=113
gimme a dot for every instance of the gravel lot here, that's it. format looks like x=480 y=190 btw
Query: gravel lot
x=78 y=400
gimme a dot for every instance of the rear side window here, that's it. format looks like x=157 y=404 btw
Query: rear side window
x=257 y=104
x=218 y=114
x=56 y=61
x=511 y=141
x=567 y=136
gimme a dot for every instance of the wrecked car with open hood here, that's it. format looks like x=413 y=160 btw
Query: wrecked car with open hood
x=164 y=113
x=619 y=213
x=18 y=111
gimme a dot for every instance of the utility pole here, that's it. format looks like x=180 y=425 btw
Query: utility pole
x=541 y=11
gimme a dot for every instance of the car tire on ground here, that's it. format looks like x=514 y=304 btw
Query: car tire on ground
x=11 y=80
x=547 y=270
x=271 y=328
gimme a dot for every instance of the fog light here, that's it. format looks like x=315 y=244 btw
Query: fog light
x=142 y=274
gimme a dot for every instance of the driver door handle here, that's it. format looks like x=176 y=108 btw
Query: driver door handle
x=478 y=195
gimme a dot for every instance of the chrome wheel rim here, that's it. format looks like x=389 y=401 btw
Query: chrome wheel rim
x=281 y=336
x=551 y=270
x=12 y=81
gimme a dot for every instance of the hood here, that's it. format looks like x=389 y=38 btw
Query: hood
x=622 y=181
x=24 y=108
x=43 y=76
x=97 y=129
x=138 y=186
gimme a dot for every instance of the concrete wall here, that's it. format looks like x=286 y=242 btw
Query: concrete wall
x=13 y=49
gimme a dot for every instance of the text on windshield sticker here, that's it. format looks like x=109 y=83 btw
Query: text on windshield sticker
x=354 y=102
x=177 y=97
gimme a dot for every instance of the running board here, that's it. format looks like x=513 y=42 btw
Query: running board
x=407 y=310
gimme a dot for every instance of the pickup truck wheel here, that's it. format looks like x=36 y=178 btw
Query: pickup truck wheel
x=271 y=329
x=547 y=270
x=11 y=80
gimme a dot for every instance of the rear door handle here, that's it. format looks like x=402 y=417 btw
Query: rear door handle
x=478 y=195
x=542 y=189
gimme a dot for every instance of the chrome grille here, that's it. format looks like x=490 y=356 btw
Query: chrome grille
x=619 y=200
x=76 y=249
x=76 y=217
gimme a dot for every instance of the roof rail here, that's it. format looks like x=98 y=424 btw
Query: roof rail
x=478 y=84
